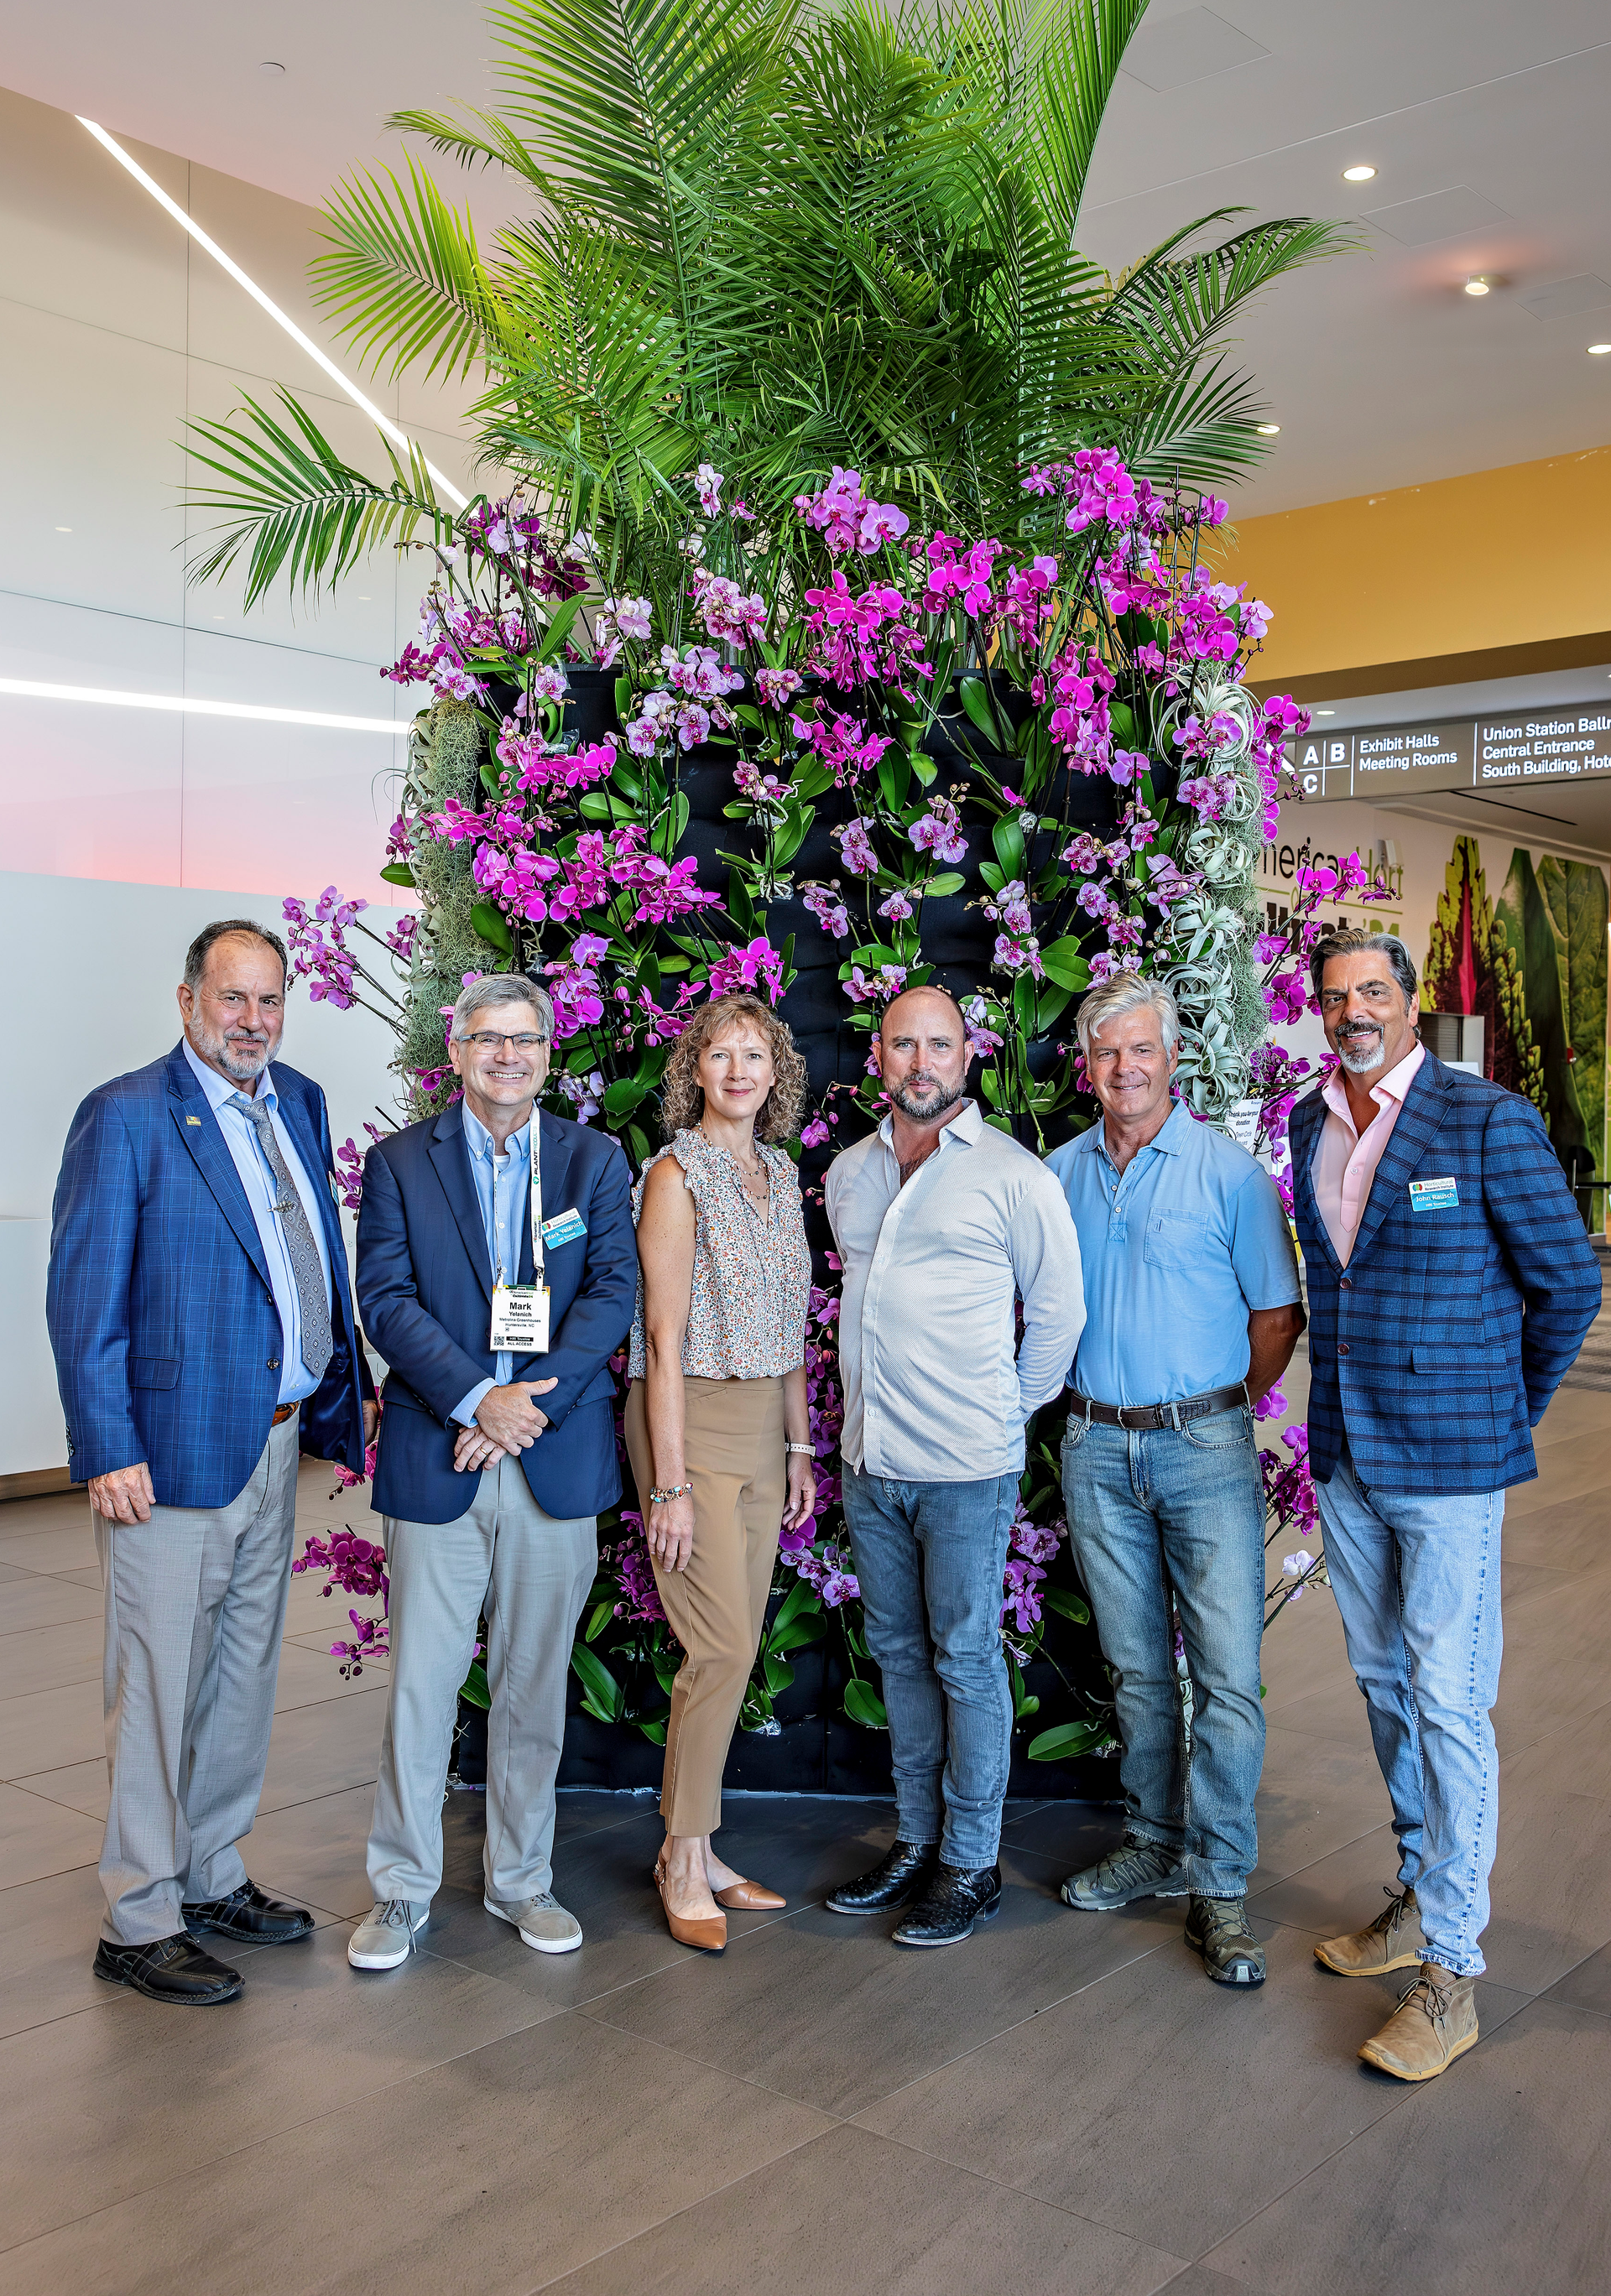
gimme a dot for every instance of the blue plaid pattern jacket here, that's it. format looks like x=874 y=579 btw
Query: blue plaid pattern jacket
x=1433 y=1353
x=162 y=1316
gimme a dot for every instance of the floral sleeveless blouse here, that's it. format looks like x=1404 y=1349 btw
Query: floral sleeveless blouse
x=752 y=1269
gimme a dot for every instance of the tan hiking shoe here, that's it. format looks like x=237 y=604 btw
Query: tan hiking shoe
x=1434 y=2023
x=1392 y=1941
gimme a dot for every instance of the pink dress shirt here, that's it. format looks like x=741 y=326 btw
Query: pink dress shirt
x=1345 y=1161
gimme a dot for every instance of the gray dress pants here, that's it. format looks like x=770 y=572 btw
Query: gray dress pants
x=529 y=1574
x=195 y=1609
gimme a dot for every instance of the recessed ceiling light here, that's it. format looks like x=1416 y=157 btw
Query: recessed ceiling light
x=272 y=70
x=1269 y=430
x=1598 y=350
x=64 y=529
x=1476 y=286
x=1358 y=174
x=1324 y=713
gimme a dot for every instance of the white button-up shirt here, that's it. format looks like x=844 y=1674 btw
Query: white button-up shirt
x=933 y=1391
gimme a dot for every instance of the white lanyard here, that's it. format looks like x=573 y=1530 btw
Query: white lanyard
x=519 y=1312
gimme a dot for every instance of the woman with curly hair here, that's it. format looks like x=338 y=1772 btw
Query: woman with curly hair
x=718 y=1430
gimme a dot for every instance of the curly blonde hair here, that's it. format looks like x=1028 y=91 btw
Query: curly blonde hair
x=683 y=1096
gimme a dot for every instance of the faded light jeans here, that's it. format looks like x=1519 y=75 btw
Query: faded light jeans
x=1417 y=1583
x=1156 y=1509
x=929 y=1559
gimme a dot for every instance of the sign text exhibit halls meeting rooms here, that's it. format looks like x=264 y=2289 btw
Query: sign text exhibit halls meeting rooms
x=1455 y=753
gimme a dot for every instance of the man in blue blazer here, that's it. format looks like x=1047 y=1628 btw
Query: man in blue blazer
x=202 y=1328
x=1451 y=1285
x=490 y=1498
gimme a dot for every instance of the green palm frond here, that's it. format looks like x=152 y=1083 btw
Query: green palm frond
x=291 y=501
x=405 y=281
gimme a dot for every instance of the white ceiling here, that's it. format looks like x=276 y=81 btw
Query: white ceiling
x=1484 y=119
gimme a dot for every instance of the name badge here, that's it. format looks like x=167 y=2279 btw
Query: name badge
x=565 y=1227
x=520 y=1319
x=1432 y=1195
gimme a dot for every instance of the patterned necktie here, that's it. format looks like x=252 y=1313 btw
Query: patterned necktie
x=300 y=1247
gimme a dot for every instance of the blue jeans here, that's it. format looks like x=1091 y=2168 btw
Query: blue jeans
x=1417 y=1583
x=1152 y=1510
x=930 y=1558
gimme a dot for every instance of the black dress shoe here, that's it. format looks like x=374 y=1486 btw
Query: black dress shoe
x=173 y=1969
x=903 y=1876
x=248 y=1914
x=957 y=1898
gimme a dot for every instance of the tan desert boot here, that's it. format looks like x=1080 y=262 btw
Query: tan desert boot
x=1392 y=1941
x=1434 y=2023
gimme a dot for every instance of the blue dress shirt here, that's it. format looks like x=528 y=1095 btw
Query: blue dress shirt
x=503 y=1189
x=262 y=1190
x=1176 y=1250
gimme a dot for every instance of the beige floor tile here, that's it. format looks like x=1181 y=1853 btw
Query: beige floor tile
x=48 y=1933
x=324 y=1748
x=510 y=2164
x=38 y=1659
x=311 y=1677
x=64 y=1724
x=135 y=2098
x=313 y=1852
x=1488 y=2181
x=1160 y=2104
x=66 y=1546
x=897 y=2224
x=80 y=1785
x=39 y=1837
x=33 y=1599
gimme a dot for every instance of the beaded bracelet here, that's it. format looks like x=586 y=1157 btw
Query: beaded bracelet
x=658 y=1497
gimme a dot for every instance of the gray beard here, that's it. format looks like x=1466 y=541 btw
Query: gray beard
x=922 y=1111
x=1359 y=1058
x=242 y=1063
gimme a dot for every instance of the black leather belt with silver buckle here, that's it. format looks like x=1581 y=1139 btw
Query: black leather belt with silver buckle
x=1160 y=1414
x=285 y=1411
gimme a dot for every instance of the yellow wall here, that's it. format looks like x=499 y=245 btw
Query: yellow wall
x=1498 y=557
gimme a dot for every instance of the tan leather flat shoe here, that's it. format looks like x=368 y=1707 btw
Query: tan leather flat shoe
x=749 y=1897
x=708 y=1934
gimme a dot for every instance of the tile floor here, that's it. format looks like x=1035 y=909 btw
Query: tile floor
x=1062 y=2104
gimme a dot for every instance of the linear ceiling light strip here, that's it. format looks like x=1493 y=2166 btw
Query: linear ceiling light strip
x=38 y=690
x=400 y=437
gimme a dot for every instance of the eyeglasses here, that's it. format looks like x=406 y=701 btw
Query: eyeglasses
x=1374 y=992
x=491 y=1041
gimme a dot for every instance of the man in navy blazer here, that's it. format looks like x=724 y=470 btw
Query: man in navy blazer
x=1451 y=1285
x=202 y=1328
x=490 y=1498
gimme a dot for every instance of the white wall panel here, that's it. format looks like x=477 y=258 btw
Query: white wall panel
x=91 y=422
x=79 y=237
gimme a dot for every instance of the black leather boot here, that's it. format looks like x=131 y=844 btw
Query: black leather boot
x=957 y=1898
x=902 y=1876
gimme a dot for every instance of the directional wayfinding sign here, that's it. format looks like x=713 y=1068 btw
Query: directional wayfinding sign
x=1389 y=761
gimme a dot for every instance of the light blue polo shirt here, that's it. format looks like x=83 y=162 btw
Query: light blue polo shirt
x=1175 y=1250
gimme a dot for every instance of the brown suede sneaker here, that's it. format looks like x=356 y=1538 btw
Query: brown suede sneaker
x=1392 y=1941
x=1434 y=2023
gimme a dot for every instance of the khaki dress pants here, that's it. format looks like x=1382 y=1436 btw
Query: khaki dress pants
x=735 y=1460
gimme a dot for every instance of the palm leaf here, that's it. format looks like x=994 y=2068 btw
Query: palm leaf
x=290 y=500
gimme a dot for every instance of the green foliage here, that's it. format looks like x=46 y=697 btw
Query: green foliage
x=1525 y=922
x=1574 y=895
x=1471 y=968
x=782 y=239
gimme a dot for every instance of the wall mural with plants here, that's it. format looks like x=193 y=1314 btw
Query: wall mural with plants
x=841 y=615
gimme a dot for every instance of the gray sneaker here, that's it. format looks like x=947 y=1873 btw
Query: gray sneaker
x=542 y=1921
x=386 y=1936
x=1135 y=1869
x=1218 y=1928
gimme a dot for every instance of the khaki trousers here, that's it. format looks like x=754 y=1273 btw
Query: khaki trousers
x=734 y=1457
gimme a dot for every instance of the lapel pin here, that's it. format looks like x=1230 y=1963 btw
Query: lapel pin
x=195 y=1121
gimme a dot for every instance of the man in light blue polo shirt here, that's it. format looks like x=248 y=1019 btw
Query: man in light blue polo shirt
x=1191 y=1293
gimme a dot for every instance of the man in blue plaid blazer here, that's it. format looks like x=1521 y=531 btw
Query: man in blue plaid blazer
x=1451 y=1285
x=202 y=1327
